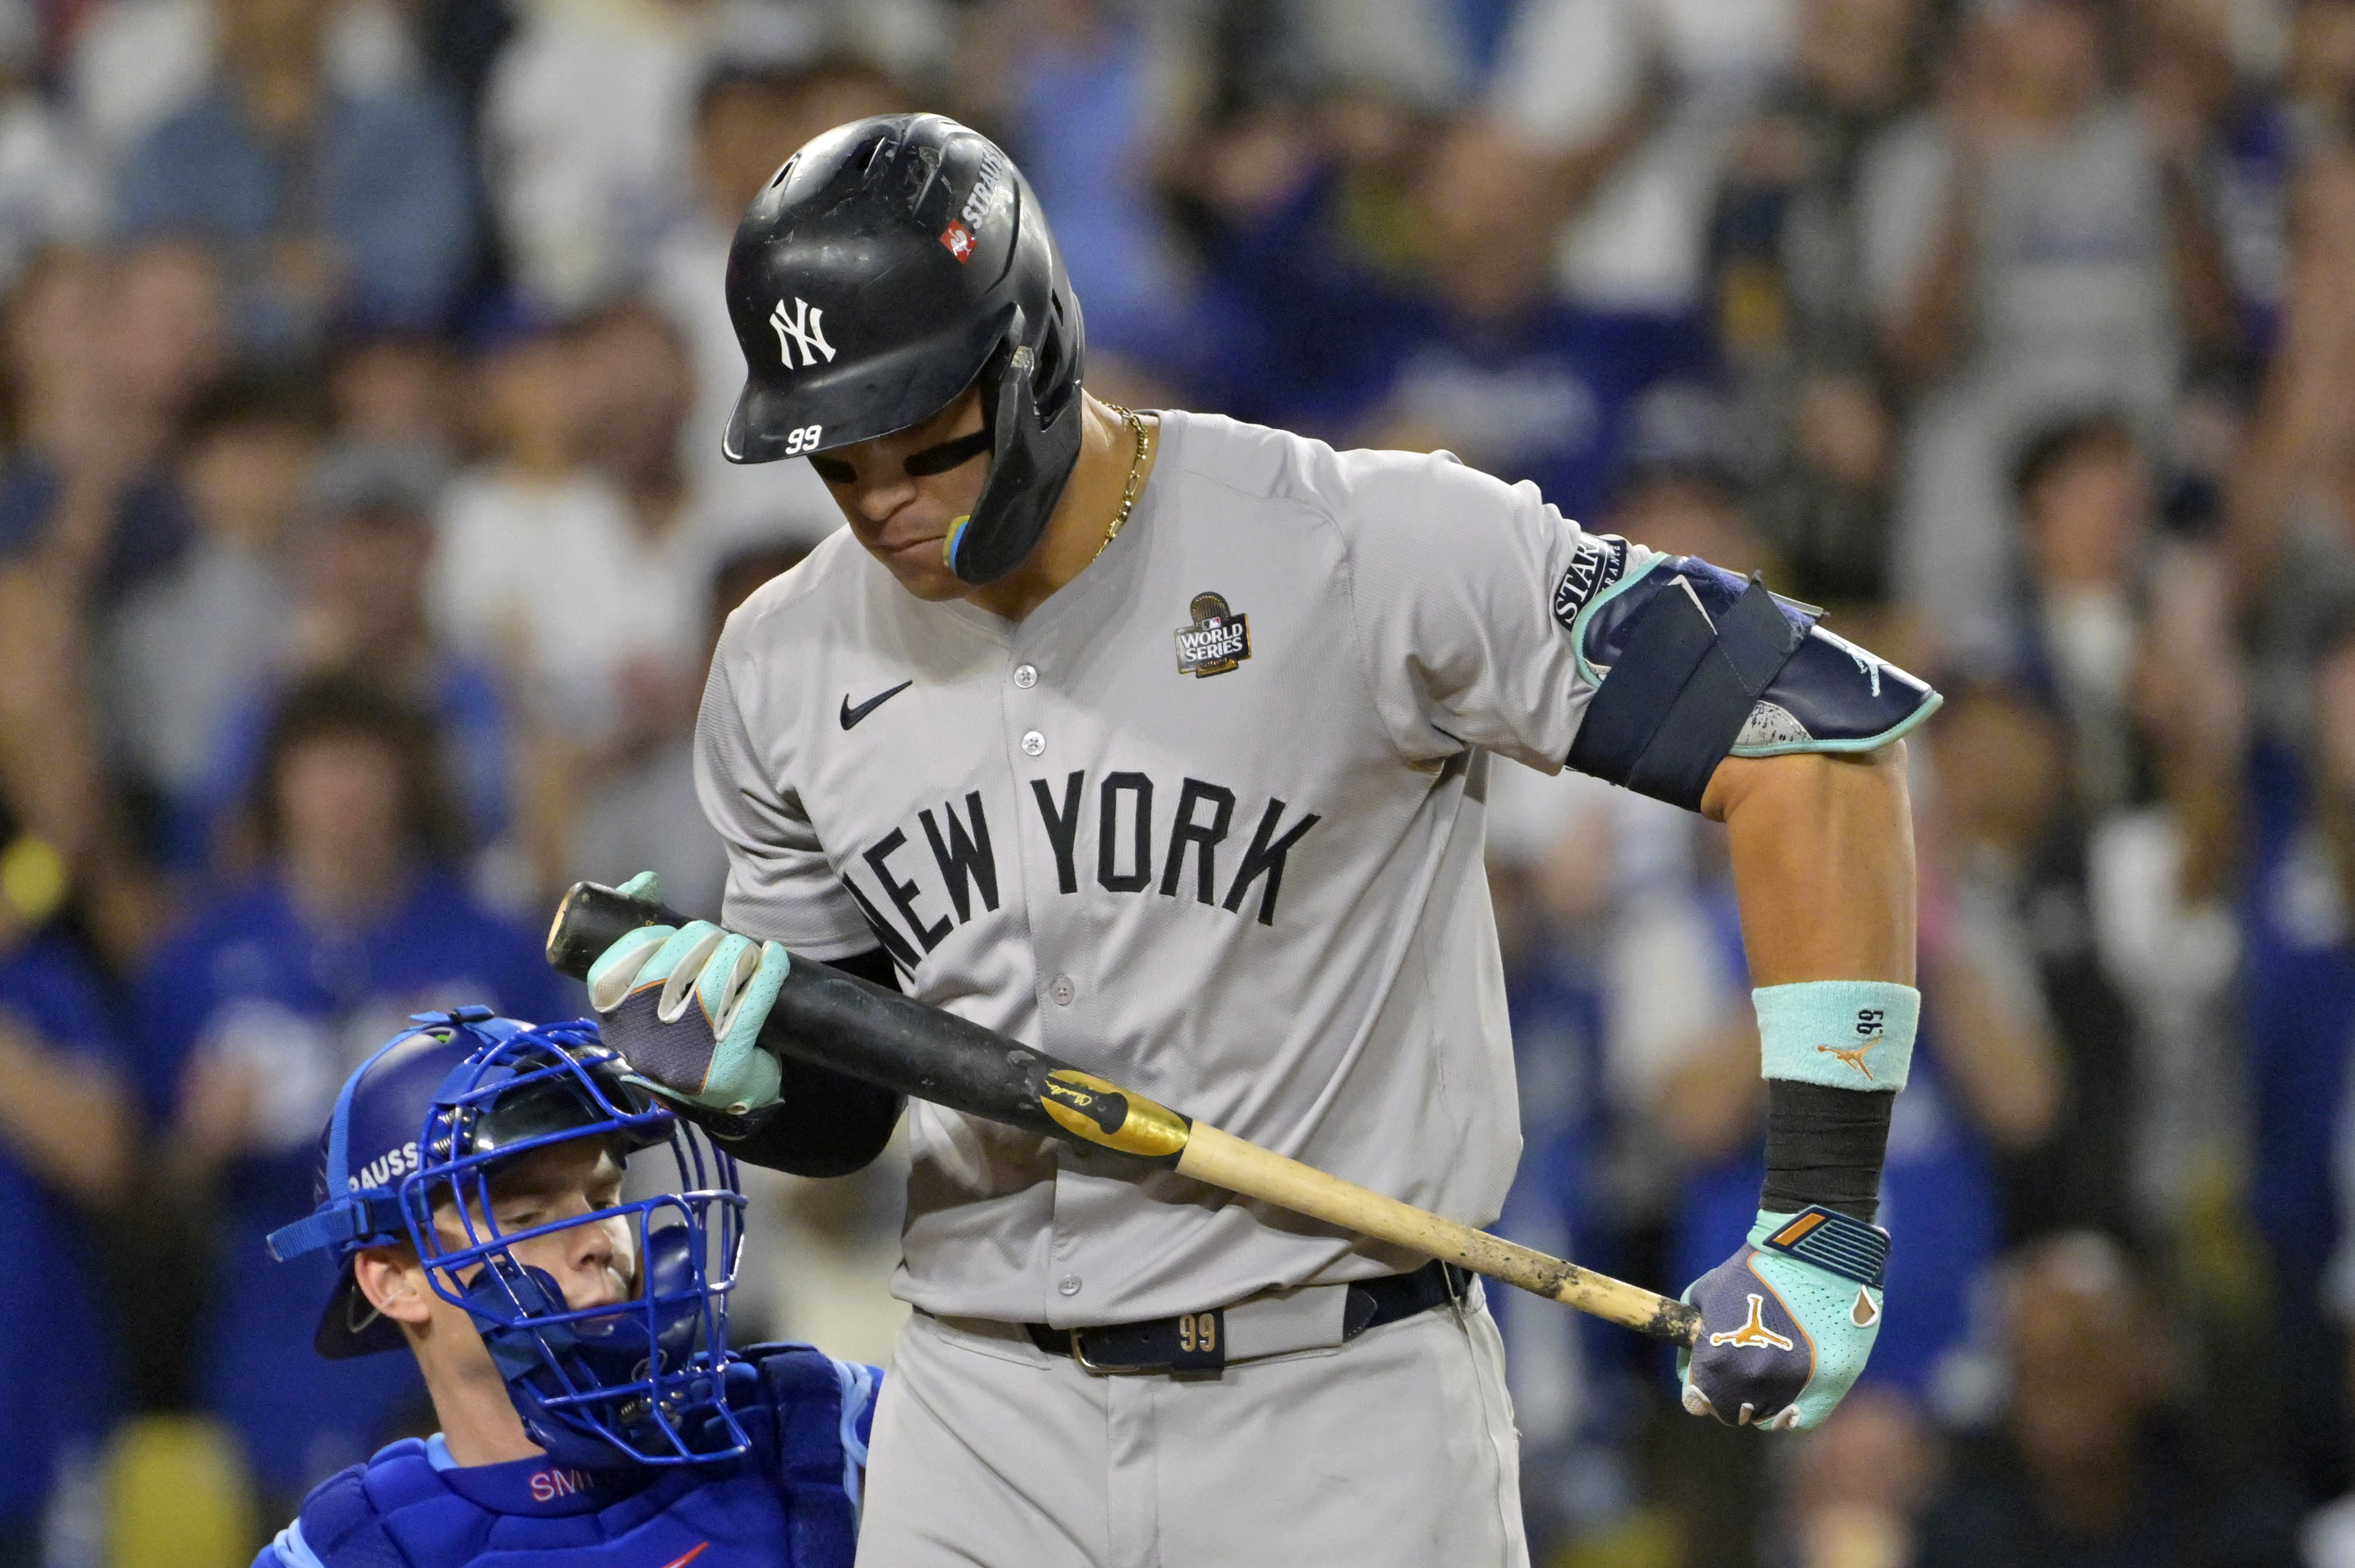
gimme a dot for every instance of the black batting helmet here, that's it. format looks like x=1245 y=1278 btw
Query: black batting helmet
x=891 y=263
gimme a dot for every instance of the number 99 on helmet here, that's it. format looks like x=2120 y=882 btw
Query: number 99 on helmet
x=422 y=1138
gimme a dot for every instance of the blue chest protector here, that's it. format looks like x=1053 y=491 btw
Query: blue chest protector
x=790 y=1502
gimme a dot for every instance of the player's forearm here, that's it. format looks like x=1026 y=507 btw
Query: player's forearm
x=824 y=1123
x=1823 y=864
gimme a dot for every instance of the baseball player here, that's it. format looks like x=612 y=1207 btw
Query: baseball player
x=573 y=1340
x=1161 y=741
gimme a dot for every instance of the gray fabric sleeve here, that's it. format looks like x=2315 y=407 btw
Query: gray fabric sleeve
x=1462 y=588
x=780 y=884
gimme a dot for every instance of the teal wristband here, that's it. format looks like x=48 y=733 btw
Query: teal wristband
x=1842 y=1034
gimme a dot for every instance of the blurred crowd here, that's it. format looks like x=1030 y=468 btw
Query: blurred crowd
x=364 y=530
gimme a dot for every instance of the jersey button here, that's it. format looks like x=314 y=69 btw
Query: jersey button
x=1033 y=743
x=1026 y=676
x=1068 y=1284
x=1063 y=990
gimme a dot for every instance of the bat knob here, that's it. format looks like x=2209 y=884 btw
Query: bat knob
x=591 y=918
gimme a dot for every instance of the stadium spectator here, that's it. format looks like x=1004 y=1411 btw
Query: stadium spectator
x=1856 y=1488
x=332 y=206
x=640 y=812
x=638 y=387
x=1084 y=92
x=360 y=557
x=1686 y=503
x=2297 y=928
x=2089 y=1464
x=744 y=115
x=2011 y=965
x=1484 y=361
x=1302 y=211
x=102 y=360
x=51 y=192
x=130 y=65
x=2288 y=538
x=1639 y=103
x=540 y=554
x=68 y=1143
x=584 y=582
x=1787 y=298
x=2162 y=879
x=252 y=1014
x=2205 y=78
x=1825 y=498
x=2317 y=87
x=2084 y=498
x=397 y=392
x=1785 y=245
x=188 y=642
x=1798 y=285
x=586 y=128
x=2030 y=247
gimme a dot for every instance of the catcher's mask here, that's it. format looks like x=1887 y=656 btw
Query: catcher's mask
x=630 y=1383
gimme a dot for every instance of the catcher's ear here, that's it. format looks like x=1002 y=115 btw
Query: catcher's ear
x=393 y=1283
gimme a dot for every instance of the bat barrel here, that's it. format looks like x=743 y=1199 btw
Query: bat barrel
x=1224 y=1161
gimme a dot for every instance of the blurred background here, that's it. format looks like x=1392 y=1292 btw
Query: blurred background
x=362 y=371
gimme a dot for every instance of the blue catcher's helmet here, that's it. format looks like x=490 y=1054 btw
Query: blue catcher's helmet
x=427 y=1123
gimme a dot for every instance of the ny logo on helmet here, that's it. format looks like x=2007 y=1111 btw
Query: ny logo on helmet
x=801 y=327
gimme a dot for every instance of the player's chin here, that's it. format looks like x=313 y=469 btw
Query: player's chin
x=919 y=569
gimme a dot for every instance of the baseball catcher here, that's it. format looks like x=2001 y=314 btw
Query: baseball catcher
x=573 y=1340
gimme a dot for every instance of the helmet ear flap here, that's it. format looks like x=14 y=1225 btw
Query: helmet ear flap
x=1030 y=462
x=1054 y=350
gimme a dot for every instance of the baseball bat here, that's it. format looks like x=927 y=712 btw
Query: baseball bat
x=824 y=1016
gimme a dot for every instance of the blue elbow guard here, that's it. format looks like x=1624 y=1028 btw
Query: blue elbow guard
x=1693 y=664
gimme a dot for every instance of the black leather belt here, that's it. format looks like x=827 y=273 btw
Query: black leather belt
x=1197 y=1342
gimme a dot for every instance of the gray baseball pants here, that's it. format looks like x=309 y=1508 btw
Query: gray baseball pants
x=1395 y=1450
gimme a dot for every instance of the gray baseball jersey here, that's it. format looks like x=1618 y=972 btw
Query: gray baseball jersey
x=1209 y=821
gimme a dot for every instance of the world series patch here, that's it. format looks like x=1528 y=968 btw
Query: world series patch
x=1216 y=641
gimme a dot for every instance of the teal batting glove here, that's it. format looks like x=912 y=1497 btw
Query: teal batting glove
x=1786 y=1322
x=684 y=1006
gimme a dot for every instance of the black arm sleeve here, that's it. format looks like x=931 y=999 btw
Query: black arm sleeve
x=824 y=1123
x=1824 y=1145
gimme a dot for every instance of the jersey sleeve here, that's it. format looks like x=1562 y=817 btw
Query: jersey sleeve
x=1462 y=592
x=780 y=884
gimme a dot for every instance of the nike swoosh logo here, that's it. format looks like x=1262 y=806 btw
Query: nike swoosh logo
x=851 y=715
x=683 y=1562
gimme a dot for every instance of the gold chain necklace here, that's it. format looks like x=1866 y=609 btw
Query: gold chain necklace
x=1135 y=476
